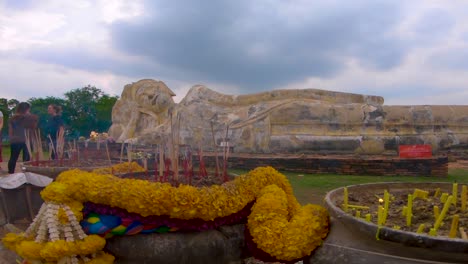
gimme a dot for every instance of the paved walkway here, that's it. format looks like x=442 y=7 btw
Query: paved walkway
x=4 y=166
x=344 y=245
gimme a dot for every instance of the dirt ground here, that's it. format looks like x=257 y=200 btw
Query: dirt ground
x=422 y=211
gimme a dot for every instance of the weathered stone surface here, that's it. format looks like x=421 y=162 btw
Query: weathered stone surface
x=284 y=121
x=143 y=105
x=223 y=245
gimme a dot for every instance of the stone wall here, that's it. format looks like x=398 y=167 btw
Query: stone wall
x=99 y=151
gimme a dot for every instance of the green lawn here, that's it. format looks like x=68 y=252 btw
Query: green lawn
x=311 y=188
x=6 y=153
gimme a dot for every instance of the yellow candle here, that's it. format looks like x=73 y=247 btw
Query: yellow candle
x=368 y=217
x=358 y=214
x=436 y=211
x=443 y=197
x=444 y=211
x=418 y=193
x=432 y=232
x=454 y=226
x=463 y=198
x=386 y=204
x=421 y=228
x=409 y=210
x=437 y=192
x=455 y=193
x=345 y=199
x=363 y=207
x=462 y=233
x=380 y=216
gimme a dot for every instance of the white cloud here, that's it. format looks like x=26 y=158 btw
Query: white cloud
x=27 y=29
x=25 y=79
x=408 y=53
x=119 y=10
x=62 y=23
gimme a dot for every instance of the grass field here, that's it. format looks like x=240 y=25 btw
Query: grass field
x=6 y=153
x=311 y=188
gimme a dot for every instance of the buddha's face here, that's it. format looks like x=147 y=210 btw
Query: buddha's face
x=154 y=97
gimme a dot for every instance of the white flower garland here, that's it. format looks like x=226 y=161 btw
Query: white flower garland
x=46 y=227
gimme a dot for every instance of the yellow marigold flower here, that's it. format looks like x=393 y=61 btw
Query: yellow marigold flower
x=269 y=222
x=102 y=258
x=62 y=216
x=56 y=250
x=77 y=208
x=30 y=250
x=91 y=244
x=10 y=240
x=120 y=168
x=57 y=192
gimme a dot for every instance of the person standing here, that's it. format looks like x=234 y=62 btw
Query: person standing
x=18 y=125
x=54 y=127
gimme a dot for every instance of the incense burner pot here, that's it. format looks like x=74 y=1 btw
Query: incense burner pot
x=343 y=204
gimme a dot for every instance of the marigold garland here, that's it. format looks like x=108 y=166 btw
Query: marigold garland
x=183 y=202
x=276 y=215
x=269 y=223
x=121 y=168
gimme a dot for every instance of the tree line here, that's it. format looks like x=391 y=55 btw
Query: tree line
x=84 y=110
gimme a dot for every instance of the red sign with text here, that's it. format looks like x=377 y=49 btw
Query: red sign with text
x=415 y=151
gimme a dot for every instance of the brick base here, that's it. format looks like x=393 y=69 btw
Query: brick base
x=347 y=165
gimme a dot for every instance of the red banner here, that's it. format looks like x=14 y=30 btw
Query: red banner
x=415 y=151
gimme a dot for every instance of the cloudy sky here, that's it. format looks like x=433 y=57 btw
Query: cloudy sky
x=409 y=52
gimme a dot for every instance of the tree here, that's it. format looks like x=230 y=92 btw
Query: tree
x=89 y=109
x=39 y=107
x=12 y=103
x=7 y=107
x=83 y=110
x=104 y=112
